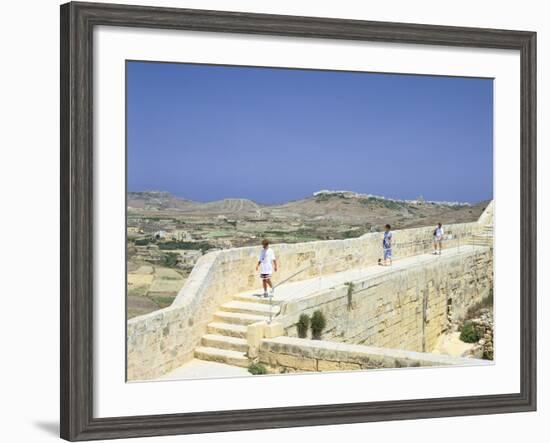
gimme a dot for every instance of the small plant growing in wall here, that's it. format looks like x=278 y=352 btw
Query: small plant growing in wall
x=469 y=333
x=303 y=325
x=318 y=323
x=351 y=288
x=257 y=369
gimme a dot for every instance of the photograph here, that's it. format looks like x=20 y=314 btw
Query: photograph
x=284 y=220
x=281 y=220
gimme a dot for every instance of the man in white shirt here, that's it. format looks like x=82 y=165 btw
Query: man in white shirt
x=438 y=239
x=267 y=263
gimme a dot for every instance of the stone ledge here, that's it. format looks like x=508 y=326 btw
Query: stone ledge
x=299 y=353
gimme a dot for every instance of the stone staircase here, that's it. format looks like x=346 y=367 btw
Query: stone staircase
x=225 y=340
x=485 y=238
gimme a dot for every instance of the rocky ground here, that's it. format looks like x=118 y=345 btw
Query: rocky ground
x=483 y=323
x=451 y=344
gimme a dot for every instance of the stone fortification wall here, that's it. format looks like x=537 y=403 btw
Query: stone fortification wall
x=404 y=308
x=163 y=340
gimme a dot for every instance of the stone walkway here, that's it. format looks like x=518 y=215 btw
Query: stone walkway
x=204 y=369
x=304 y=288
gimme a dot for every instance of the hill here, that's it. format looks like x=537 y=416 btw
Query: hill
x=163 y=201
x=360 y=208
x=158 y=201
x=346 y=207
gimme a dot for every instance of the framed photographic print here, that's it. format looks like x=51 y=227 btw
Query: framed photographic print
x=272 y=221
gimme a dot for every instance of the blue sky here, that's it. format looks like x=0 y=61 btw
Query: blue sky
x=207 y=132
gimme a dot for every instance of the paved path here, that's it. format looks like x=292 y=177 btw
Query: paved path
x=204 y=369
x=304 y=288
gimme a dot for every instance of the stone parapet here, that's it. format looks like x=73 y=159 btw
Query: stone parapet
x=298 y=354
x=404 y=308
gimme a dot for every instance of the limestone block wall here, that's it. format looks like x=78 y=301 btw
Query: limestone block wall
x=163 y=340
x=406 y=308
x=296 y=354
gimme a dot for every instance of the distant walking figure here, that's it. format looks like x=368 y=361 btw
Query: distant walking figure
x=267 y=263
x=438 y=239
x=387 y=246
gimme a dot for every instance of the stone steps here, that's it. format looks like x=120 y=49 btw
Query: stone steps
x=250 y=308
x=227 y=329
x=238 y=318
x=225 y=342
x=226 y=356
x=257 y=299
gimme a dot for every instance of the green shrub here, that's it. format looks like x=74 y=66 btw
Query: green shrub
x=322 y=198
x=352 y=234
x=469 y=333
x=170 y=259
x=303 y=325
x=142 y=241
x=162 y=302
x=173 y=244
x=318 y=323
x=257 y=369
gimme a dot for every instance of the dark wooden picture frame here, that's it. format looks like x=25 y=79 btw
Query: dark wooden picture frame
x=77 y=23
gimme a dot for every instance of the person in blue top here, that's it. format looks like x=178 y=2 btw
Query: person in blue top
x=387 y=246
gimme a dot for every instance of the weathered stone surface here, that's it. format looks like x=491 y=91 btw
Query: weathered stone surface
x=327 y=365
x=273 y=329
x=319 y=355
x=254 y=334
x=295 y=362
